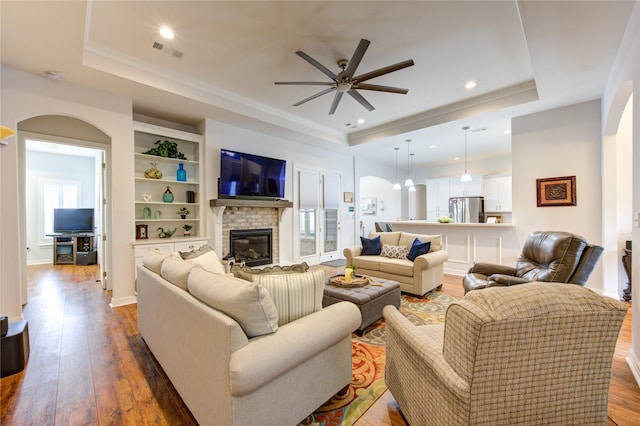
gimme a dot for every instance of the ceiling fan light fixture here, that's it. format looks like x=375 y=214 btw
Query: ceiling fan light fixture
x=343 y=87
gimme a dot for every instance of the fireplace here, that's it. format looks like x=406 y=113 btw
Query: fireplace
x=253 y=246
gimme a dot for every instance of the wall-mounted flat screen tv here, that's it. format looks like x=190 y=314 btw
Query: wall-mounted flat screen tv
x=73 y=220
x=248 y=175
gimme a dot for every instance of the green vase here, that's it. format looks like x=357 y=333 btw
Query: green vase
x=167 y=197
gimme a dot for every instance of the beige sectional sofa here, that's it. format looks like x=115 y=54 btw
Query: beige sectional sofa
x=225 y=374
x=417 y=277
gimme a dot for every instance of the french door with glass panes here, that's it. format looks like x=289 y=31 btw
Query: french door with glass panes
x=318 y=216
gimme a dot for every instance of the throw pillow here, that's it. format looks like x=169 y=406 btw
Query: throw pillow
x=176 y=271
x=295 y=295
x=207 y=260
x=195 y=252
x=249 y=304
x=153 y=259
x=370 y=246
x=394 y=252
x=418 y=248
x=246 y=272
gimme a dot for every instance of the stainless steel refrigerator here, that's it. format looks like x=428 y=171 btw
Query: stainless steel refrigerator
x=466 y=209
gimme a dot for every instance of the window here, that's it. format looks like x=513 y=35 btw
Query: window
x=55 y=193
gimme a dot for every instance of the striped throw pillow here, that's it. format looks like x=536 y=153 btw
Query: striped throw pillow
x=295 y=295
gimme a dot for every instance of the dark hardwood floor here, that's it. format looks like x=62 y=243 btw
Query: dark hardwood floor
x=88 y=364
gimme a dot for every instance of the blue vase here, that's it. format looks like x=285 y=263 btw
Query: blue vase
x=181 y=174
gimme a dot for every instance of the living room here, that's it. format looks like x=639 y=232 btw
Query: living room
x=576 y=139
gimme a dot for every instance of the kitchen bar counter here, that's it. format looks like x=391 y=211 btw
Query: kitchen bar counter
x=468 y=243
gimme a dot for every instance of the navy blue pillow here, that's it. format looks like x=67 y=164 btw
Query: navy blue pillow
x=418 y=248
x=370 y=246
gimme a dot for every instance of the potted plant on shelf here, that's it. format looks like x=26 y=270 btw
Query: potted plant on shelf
x=183 y=212
x=187 y=230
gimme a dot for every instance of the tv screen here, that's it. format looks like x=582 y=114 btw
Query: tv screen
x=248 y=175
x=72 y=220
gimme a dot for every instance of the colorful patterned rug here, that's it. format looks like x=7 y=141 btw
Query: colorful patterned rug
x=368 y=357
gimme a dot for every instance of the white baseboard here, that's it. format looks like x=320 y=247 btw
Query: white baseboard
x=39 y=262
x=123 y=301
x=634 y=365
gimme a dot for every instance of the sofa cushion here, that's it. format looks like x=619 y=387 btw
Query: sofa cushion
x=390 y=238
x=247 y=273
x=295 y=295
x=370 y=246
x=246 y=302
x=407 y=239
x=394 y=252
x=207 y=260
x=372 y=263
x=153 y=259
x=176 y=271
x=403 y=267
x=418 y=248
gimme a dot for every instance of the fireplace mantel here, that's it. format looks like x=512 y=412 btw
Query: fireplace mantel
x=221 y=203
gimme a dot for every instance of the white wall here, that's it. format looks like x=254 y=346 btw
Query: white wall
x=559 y=142
x=389 y=202
x=221 y=135
x=54 y=166
x=24 y=96
x=624 y=81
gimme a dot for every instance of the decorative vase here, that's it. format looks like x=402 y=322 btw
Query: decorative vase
x=146 y=213
x=157 y=214
x=167 y=197
x=181 y=174
x=348 y=274
x=153 y=173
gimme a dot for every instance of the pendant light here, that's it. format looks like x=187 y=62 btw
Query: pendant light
x=412 y=188
x=396 y=186
x=409 y=181
x=466 y=177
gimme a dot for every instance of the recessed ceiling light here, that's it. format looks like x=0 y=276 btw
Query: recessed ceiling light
x=432 y=146
x=360 y=121
x=456 y=158
x=507 y=132
x=167 y=33
x=470 y=85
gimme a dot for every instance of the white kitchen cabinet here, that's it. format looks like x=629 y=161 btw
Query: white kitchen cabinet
x=466 y=189
x=437 y=198
x=497 y=194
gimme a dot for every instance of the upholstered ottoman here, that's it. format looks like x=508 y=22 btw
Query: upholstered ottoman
x=370 y=299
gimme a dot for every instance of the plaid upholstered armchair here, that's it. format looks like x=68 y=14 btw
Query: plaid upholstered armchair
x=531 y=354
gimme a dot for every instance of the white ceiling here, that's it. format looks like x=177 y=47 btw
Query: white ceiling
x=525 y=57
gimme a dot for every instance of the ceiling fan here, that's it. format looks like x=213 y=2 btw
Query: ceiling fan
x=345 y=81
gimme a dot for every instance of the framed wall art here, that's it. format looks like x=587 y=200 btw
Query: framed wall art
x=557 y=191
x=348 y=197
x=368 y=205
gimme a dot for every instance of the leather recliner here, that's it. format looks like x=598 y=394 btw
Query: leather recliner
x=546 y=256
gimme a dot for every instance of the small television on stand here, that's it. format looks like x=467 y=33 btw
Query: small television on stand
x=73 y=221
x=250 y=176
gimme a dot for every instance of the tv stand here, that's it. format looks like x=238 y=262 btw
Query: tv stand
x=66 y=246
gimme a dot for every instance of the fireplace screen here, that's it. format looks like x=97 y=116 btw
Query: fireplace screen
x=253 y=246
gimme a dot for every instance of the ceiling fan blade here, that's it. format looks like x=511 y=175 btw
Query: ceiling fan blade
x=317 y=95
x=317 y=64
x=379 y=88
x=358 y=97
x=357 y=57
x=336 y=101
x=383 y=71
x=305 y=83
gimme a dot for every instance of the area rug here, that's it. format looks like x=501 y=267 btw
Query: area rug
x=368 y=357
